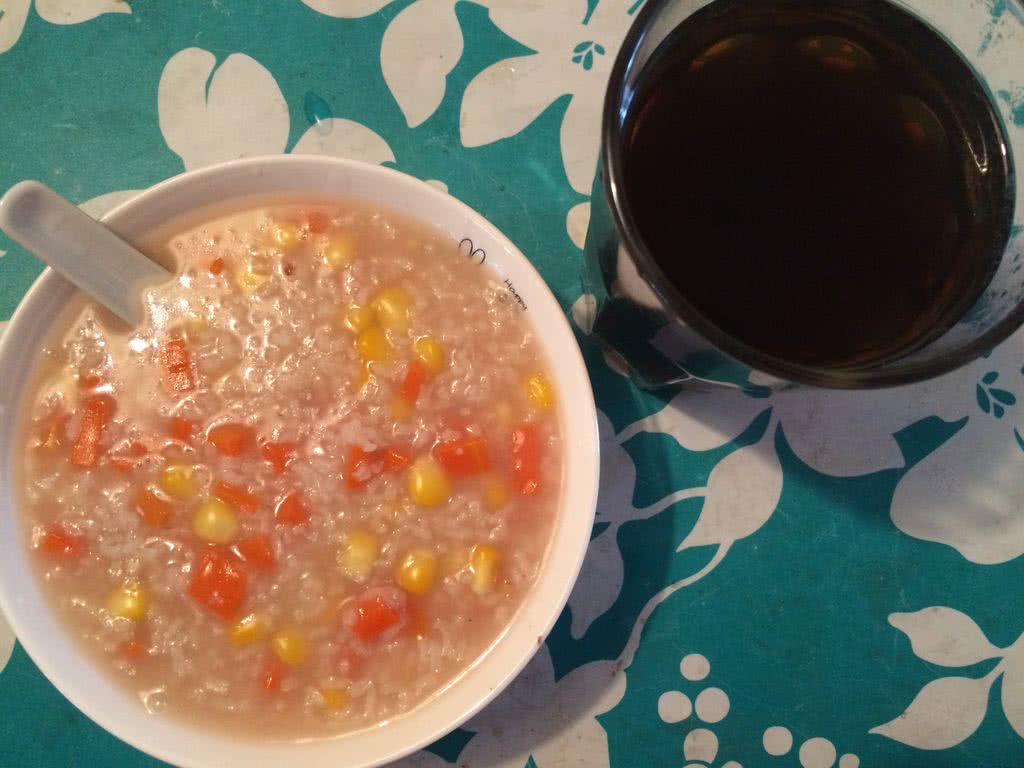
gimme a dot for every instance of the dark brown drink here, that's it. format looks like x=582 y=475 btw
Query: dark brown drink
x=816 y=178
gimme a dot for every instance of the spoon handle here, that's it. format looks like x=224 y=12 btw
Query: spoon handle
x=80 y=248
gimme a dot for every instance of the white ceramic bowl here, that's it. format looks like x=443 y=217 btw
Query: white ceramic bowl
x=114 y=707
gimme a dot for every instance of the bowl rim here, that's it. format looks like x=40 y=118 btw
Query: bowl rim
x=104 y=700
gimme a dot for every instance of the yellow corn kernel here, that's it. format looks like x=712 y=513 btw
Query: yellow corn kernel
x=249 y=280
x=358 y=555
x=484 y=561
x=357 y=319
x=430 y=352
x=178 y=480
x=373 y=344
x=392 y=308
x=289 y=645
x=495 y=493
x=285 y=234
x=428 y=483
x=334 y=698
x=416 y=571
x=401 y=410
x=503 y=413
x=128 y=601
x=455 y=561
x=539 y=391
x=250 y=629
x=215 y=521
x=340 y=251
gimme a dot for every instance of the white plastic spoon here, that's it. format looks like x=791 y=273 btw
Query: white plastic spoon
x=84 y=251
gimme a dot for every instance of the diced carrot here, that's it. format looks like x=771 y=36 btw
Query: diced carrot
x=126 y=461
x=153 y=510
x=59 y=542
x=317 y=222
x=411 y=385
x=236 y=496
x=291 y=511
x=219 y=583
x=374 y=617
x=176 y=367
x=526 y=459
x=362 y=466
x=396 y=459
x=257 y=551
x=271 y=674
x=96 y=415
x=217 y=266
x=182 y=429
x=231 y=439
x=465 y=456
x=90 y=381
x=279 y=455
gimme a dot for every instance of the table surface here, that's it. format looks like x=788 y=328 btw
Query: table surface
x=811 y=579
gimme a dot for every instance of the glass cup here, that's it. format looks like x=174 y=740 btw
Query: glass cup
x=645 y=322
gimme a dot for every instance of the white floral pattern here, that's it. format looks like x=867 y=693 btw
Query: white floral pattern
x=948 y=710
x=14 y=13
x=574 y=55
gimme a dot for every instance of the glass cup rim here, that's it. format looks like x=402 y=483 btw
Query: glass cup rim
x=658 y=281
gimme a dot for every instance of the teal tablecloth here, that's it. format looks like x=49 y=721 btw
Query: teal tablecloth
x=810 y=579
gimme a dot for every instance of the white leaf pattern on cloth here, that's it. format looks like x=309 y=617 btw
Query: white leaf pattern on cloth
x=945 y=636
x=238 y=112
x=13 y=14
x=602 y=575
x=945 y=713
x=77 y=11
x=572 y=57
x=344 y=138
x=1012 y=693
x=346 y=9
x=743 y=490
x=420 y=48
x=7 y=638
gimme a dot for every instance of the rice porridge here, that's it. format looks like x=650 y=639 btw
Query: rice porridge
x=312 y=488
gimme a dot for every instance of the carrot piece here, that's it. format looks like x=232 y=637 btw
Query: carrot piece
x=153 y=510
x=98 y=410
x=526 y=459
x=290 y=510
x=217 y=266
x=257 y=551
x=59 y=542
x=90 y=381
x=411 y=385
x=374 y=617
x=176 y=367
x=279 y=455
x=236 y=496
x=465 y=456
x=317 y=222
x=182 y=429
x=396 y=459
x=218 y=583
x=362 y=466
x=271 y=674
x=231 y=439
